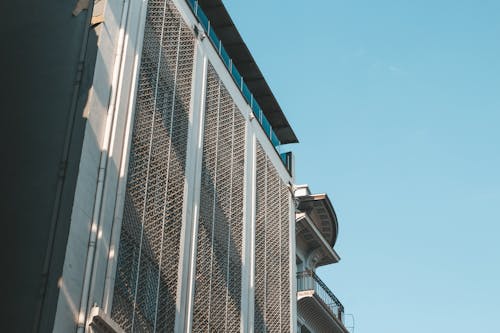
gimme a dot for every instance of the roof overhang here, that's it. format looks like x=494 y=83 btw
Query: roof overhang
x=310 y=234
x=320 y=209
x=247 y=67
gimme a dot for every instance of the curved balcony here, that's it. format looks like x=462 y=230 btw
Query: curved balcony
x=320 y=210
x=319 y=308
x=316 y=228
x=312 y=243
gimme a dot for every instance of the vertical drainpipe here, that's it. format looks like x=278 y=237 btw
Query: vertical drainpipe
x=125 y=155
x=117 y=74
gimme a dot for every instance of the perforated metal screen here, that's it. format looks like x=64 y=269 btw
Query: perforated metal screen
x=272 y=255
x=146 y=279
x=217 y=301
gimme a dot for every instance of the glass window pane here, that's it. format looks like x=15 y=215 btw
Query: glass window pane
x=246 y=92
x=256 y=109
x=225 y=56
x=284 y=158
x=236 y=76
x=203 y=18
x=274 y=139
x=266 y=125
x=213 y=37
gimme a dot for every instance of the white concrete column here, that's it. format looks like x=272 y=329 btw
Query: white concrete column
x=108 y=110
x=248 y=264
x=118 y=155
x=194 y=160
x=293 y=266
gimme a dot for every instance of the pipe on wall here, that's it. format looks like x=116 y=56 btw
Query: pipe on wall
x=103 y=164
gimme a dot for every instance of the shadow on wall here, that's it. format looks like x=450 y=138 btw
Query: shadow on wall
x=148 y=257
x=47 y=64
x=219 y=263
x=160 y=137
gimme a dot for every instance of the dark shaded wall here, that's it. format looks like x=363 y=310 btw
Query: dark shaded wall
x=44 y=86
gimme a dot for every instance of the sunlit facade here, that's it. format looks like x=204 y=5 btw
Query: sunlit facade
x=318 y=309
x=184 y=214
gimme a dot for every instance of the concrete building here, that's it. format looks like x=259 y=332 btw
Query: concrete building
x=316 y=228
x=159 y=198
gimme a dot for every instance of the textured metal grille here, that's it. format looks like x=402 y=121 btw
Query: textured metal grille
x=146 y=278
x=260 y=243
x=217 y=301
x=285 y=205
x=272 y=256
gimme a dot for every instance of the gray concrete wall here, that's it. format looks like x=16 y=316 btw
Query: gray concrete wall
x=45 y=78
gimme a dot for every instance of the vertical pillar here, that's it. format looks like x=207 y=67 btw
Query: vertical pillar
x=293 y=266
x=194 y=156
x=248 y=267
x=114 y=200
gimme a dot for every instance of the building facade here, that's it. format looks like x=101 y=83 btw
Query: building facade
x=178 y=211
x=318 y=309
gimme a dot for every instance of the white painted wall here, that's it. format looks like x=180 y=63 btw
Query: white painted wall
x=103 y=163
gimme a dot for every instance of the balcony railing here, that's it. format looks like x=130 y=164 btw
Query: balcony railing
x=238 y=79
x=308 y=280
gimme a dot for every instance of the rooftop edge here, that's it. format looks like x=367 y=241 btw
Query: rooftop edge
x=242 y=58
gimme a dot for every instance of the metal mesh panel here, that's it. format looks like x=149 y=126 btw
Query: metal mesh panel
x=217 y=301
x=146 y=278
x=285 y=203
x=260 y=242
x=272 y=257
x=273 y=253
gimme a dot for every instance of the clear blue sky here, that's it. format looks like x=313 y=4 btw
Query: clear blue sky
x=397 y=107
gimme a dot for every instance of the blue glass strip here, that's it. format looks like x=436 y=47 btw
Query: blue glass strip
x=203 y=18
x=214 y=38
x=256 y=109
x=225 y=57
x=236 y=76
x=266 y=125
x=246 y=92
x=284 y=160
x=274 y=139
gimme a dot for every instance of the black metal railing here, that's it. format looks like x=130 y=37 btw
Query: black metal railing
x=308 y=280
